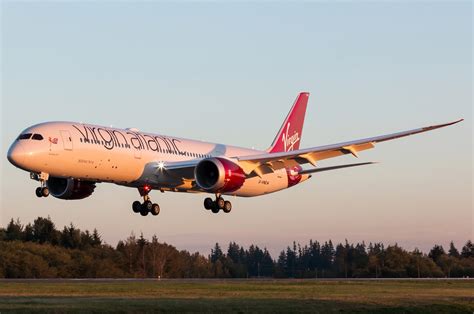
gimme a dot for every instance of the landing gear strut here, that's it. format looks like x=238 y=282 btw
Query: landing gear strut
x=147 y=206
x=218 y=204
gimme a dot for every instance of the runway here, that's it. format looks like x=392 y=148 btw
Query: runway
x=230 y=280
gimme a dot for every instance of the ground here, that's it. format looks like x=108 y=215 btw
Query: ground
x=238 y=296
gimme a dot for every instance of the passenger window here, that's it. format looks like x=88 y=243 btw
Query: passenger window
x=25 y=136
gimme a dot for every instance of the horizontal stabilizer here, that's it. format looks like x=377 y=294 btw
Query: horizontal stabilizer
x=335 y=167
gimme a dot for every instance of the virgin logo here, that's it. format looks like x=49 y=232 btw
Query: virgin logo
x=53 y=140
x=290 y=141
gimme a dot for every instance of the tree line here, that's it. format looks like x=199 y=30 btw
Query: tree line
x=39 y=250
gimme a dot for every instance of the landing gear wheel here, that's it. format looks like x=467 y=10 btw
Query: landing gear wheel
x=208 y=203
x=227 y=207
x=44 y=192
x=136 y=206
x=215 y=209
x=220 y=202
x=144 y=212
x=147 y=205
x=155 y=209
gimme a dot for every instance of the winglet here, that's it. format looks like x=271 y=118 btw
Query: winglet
x=443 y=125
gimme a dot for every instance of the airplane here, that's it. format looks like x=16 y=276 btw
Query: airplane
x=69 y=159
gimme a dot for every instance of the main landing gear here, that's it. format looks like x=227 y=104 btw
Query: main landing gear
x=147 y=206
x=218 y=204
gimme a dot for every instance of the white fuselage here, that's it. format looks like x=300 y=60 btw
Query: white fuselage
x=122 y=156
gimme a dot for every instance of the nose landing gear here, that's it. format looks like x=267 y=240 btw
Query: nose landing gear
x=42 y=177
x=147 y=206
x=217 y=205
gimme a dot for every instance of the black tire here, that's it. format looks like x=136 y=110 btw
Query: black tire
x=136 y=206
x=208 y=203
x=155 y=209
x=38 y=192
x=227 y=207
x=45 y=192
x=220 y=202
x=144 y=212
x=147 y=205
x=215 y=209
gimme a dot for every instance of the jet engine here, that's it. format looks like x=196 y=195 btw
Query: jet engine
x=69 y=189
x=219 y=175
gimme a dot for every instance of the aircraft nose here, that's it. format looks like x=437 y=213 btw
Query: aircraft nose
x=17 y=154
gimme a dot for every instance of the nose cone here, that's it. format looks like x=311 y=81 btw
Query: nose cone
x=17 y=155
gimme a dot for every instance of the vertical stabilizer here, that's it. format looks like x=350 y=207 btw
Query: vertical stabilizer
x=289 y=136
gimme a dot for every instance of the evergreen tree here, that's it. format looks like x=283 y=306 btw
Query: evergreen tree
x=14 y=231
x=340 y=261
x=327 y=256
x=436 y=252
x=29 y=233
x=453 y=251
x=96 y=239
x=281 y=265
x=360 y=261
x=86 y=240
x=142 y=244
x=315 y=256
x=233 y=253
x=468 y=250
x=267 y=265
x=70 y=237
x=216 y=253
x=290 y=267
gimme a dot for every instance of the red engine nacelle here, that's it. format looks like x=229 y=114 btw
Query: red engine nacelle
x=69 y=189
x=219 y=175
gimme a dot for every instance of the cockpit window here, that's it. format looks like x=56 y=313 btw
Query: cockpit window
x=25 y=136
x=37 y=137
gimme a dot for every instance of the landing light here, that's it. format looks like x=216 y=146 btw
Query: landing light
x=161 y=165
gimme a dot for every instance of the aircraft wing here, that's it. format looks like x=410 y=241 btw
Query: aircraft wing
x=182 y=173
x=263 y=163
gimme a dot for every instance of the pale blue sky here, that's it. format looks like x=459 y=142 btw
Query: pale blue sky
x=229 y=73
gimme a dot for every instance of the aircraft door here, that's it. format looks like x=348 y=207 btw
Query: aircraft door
x=67 y=140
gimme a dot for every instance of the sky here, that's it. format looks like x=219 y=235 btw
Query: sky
x=228 y=72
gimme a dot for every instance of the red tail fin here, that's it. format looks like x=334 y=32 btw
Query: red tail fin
x=289 y=136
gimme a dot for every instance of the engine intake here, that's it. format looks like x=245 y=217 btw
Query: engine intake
x=219 y=175
x=69 y=189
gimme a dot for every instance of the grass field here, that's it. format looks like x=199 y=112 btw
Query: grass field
x=267 y=296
